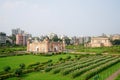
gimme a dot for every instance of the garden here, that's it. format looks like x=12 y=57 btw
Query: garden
x=64 y=66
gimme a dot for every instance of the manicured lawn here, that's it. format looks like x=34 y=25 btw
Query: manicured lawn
x=14 y=61
x=41 y=76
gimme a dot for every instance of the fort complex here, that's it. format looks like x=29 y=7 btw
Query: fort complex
x=45 y=46
x=99 y=42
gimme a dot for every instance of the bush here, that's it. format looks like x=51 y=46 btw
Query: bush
x=56 y=71
x=60 y=59
x=48 y=69
x=5 y=76
x=50 y=64
x=22 y=66
x=68 y=57
x=28 y=71
x=34 y=64
x=18 y=72
x=7 y=68
x=49 y=60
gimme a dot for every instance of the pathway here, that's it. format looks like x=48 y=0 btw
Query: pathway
x=114 y=75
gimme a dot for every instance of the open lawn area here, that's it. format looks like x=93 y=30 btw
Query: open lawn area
x=15 y=61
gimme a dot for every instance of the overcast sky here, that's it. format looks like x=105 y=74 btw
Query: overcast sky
x=69 y=17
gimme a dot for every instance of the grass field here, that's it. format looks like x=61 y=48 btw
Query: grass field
x=81 y=48
x=80 y=69
x=15 y=61
x=118 y=78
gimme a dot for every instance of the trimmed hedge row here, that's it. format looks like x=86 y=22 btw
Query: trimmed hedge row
x=97 y=70
x=74 y=64
x=81 y=71
x=79 y=66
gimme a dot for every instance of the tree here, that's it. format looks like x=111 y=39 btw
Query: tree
x=7 y=68
x=116 y=42
x=22 y=66
x=55 y=38
x=67 y=41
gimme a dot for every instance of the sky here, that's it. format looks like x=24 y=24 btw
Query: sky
x=68 y=17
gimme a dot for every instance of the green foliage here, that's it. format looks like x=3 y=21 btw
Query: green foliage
x=56 y=71
x=49 y=61
x=7 y=68
x=48 y=69
x=18 y=72
x=116 y=42
x=5 y=76
x=60 y=59
x=22 y=66
x=10 y=50
x=118 y=77
x=68 y=57
x=34 y=64
x=80 y=48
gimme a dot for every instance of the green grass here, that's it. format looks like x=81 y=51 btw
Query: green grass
x=14 y=61
x=50 y=76
x=43 y=76
x=106 y=73
x=118 y=77
x=81 y=48
x=6 y=50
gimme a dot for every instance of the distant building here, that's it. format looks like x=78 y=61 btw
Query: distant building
x=17 y=31
x=99 y=42
x=115 y=37
x=86 y=39
x=45 y=46
x=21 y=39
x=2 y=38
x=79 y=40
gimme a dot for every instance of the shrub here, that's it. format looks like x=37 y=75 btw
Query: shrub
x=56 y=71
x=18 y=72
x=60 y=59
x=28 y=71
x=49 y=60
x=22 y=66
x=76 y=56
x=68 y=57
x=5 y=76
x=34 y=64
x=48 y=69
x=50 y=64
x=7 y=68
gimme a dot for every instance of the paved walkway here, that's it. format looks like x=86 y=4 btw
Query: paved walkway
x=114 y=75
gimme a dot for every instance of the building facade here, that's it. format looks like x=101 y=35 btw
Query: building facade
x=21 y=39
x=2 y=38
x=45 y=46
x=115 y=37
x=99 y=42
x=17 y=31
